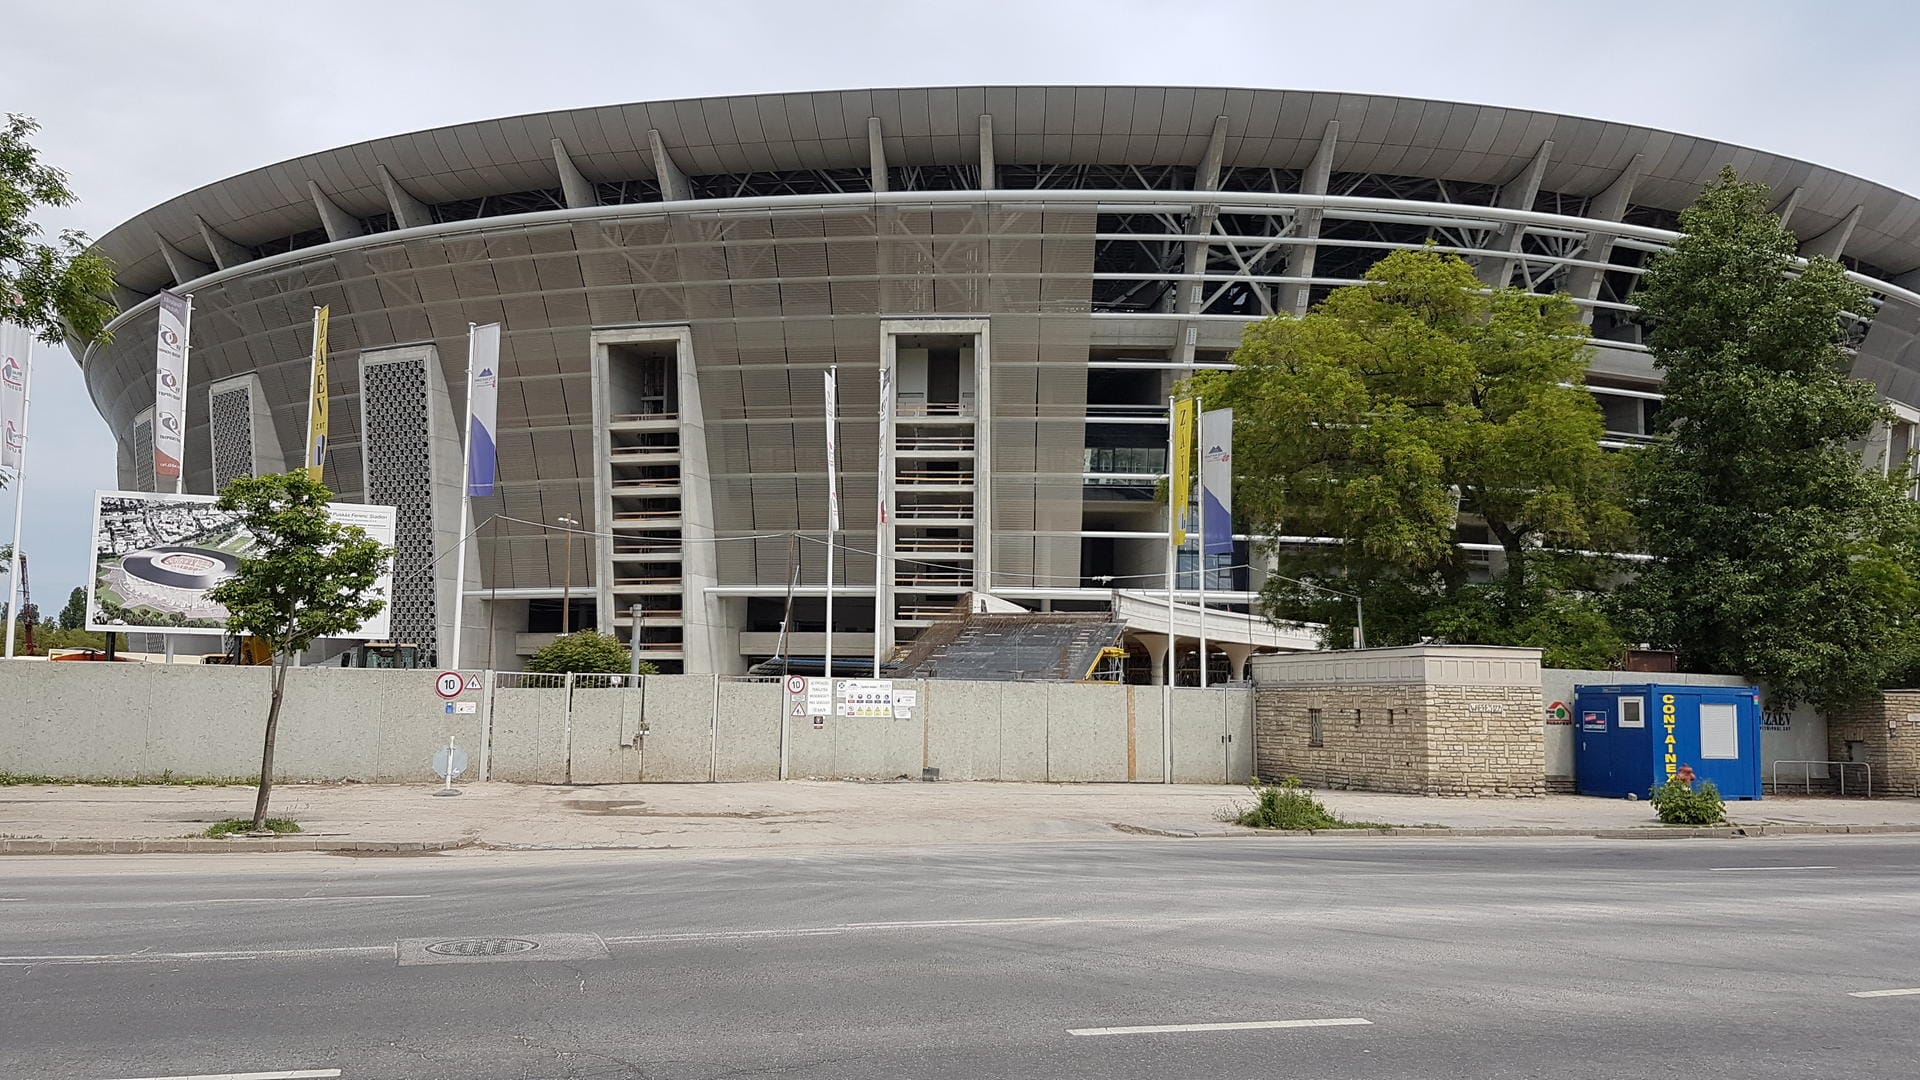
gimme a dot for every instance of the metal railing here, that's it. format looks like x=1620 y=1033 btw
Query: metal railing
x=1808 y=773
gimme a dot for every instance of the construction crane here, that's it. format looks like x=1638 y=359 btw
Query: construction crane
x=29 y=615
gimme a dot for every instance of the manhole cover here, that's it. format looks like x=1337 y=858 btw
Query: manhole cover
x=503 y=950
x=482 y=946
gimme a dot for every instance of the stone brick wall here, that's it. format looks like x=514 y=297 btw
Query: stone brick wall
x=1373 y=736
x=1433 y=720
x=1888 y=729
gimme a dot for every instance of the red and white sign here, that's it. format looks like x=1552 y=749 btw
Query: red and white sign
x=450 y=684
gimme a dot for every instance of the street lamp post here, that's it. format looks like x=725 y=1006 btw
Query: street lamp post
x=566 y=592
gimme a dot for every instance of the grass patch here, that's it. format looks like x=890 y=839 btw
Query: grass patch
x=9 y=779
x=1289 y=806
x=239 y=826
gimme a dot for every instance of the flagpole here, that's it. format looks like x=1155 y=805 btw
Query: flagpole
x=1200 y=474
x=1166 y=682
x=313 y=394
x=19 y=500
x=466 y=496
x=833 y=498
x=186 y=359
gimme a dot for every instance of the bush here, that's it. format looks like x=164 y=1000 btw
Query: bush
x=1285 y=806
x=1680 y=803
x=586 y=650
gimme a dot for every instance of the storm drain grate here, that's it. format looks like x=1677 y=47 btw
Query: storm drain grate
x=501 y=949
x=482 y=946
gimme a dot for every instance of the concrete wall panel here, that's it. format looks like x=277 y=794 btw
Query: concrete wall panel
x=962 y=722
x=529 y=735
x=748 y=731
x=1086 y=729
x=1023 y=731
x=678 y=746
x=1199 y=728
x=602 y=735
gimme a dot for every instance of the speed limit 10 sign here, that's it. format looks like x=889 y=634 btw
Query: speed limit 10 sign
x=449 y=684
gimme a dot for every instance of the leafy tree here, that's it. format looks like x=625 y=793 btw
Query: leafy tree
x=586 y=650
x=307 y=577
x=1393 y=411
x=1780 y=554
x=74 y=615
x=52 y=289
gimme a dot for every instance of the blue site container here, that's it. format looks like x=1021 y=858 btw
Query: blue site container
x=1630 y=739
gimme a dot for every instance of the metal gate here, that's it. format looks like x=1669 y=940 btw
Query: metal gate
x=576 y=728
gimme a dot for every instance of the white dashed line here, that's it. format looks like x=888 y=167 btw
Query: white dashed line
x=1251 y=1025
x=183 y=957
x=1734 y=869
x=1911 y=991
x=291 y=1074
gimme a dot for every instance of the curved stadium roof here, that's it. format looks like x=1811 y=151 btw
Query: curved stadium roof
x=930 y=138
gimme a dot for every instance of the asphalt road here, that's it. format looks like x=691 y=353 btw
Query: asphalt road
x=1483 y=959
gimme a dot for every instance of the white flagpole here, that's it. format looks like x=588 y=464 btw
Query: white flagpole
x=1200 y=477
x=883 y=510
x=833 y=497
x=19 y=502
x=1166 y=683
x=466 y=497
x=313 y=387
x=186 y=359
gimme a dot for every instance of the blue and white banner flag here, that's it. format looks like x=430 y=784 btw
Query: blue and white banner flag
x=483 y=356
x=1216 y=479
x=170 y=386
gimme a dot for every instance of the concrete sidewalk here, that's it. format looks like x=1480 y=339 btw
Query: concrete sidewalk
x=797 y=814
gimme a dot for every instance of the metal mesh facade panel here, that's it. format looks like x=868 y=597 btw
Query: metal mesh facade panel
x=230 y=416
x=400 y=474
x=143 y=453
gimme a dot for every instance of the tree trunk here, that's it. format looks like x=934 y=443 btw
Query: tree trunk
x=266 y=753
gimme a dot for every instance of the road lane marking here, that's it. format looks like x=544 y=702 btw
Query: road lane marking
x=183 y=957
x=1911 y=991
x=291 y=899
x=291 y=1074
x=1250 y=1025
x=1732 y=869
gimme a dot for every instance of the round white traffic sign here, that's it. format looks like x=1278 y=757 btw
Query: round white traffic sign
x=450 y=684
x=796 y=685
x=449 y=762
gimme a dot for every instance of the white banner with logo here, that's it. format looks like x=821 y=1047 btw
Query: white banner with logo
x=15 y=341
x=483 y=460
x=170 y=387
x=1216 y=479
x=833 y=454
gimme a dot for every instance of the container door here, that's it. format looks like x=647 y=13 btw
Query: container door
x=1717 y=744
x=1595 y=764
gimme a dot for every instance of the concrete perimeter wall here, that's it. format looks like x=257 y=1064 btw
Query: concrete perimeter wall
x=125 y=721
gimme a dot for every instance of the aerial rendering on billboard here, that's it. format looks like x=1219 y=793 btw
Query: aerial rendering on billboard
x=156 y=556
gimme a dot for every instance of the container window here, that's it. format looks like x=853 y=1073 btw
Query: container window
x=1633 y=712
x=1316 y=733
x=1719 y=732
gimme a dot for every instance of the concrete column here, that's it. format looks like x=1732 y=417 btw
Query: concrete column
x=1516 y=194
x=1787 y=206
x=339 y=224
x=1236 y=659
x=1610 y=205
x=673 y=182
x=575 y=187
x=181 y=265
x=1294 y=297
x=1188 y=295
x=1830 y=244
x=225 y=252
x=876 y=155
x=408 y=212
x=1156 y=645
x=988 y=176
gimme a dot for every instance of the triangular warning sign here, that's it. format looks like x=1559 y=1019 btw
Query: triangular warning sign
x=799 y=708
x=473 y=682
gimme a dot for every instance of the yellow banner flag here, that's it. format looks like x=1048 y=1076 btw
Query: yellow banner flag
x=317 y=403
x=1180 y=490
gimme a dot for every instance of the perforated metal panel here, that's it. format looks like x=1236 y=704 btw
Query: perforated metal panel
x=230 y=418
x=143 y=452
x=399 y=473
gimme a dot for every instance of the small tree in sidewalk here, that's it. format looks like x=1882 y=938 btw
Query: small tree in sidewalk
x=307 y=577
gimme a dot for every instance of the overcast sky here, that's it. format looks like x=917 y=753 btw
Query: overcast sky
x=143 y=101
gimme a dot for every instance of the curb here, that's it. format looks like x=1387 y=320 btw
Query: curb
x=225 y=847
x=1640 y=832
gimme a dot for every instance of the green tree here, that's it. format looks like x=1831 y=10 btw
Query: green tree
x=307 y=577
x=53 y=289
x=74 y=615
x=586 y=650
x=1779 y=553
x=1400 y=408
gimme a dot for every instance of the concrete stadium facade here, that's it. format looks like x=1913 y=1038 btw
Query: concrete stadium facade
x=1033 y=267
